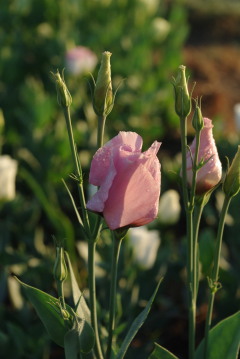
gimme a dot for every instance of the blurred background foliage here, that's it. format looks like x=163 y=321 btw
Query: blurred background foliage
x=148 y=40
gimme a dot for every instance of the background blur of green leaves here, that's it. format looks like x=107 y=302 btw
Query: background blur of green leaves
x=34 y=38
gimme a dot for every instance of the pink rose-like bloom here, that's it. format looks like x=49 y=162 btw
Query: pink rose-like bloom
x=80 y=60
x=129 y=181
x=210 y=174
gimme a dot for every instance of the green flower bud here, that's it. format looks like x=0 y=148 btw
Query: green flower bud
x=63 y=95
x=182 y=98
x=103 y=96
x=231 y=185
x=60 y=267
x=197 y=121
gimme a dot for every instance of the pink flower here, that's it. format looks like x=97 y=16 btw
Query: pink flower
x=129 y=181
x=210 y=174
x=80 y=60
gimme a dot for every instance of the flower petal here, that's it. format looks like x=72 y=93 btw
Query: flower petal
x=133 y=198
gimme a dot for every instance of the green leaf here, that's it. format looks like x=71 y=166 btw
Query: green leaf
x=136 y=325
x=71 y=345
x=161 y=353
x=78 y=299
x=87 y=338
x=206 y=251
x=48 y=310
x=80 y=338
x=224 y=339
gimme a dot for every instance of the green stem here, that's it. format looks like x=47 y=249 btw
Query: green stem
x=191 y=298
x=92 y=294
x=195 y=170
x=214 y=278
x=189 y=217
x=112 y=304
x=78 y=169
x=196 y=222
x=61 y=293
x=100 y=134
x=183 y=124
x=92 y=240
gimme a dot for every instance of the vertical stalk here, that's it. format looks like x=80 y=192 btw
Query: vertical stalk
x=91 y=256
x=198 y=212
x=189 y=217
x=92 y=290
x=100 y=134
x=183 y=125
x=60 y=293
x=196 y=222
x=116 y=244
x=195 y=169
x=213 y=282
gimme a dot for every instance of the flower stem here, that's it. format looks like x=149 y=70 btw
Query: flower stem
x=196 y=222
x=116 y=245
x=213 y=281
x=100 y=133
x=92 y=292
x=183 y=124
x=61 y=294
x=92 y=240
x=195 y=170
x=189 y=217
x=78 y=169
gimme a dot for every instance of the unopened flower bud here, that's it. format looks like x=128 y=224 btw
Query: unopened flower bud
x=182 y=98
x=103 y=96
x=63 y=95
x=210 y=173
x=231 y=185
x=197 y=121
x=60 y=267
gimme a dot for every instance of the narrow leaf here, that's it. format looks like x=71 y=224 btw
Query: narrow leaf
x=224 y=339
x=79 y=339
x=136 y=325
x=47 y=308
x=87 y=338
x=161 y=353
x=78 y=298
x=73 y=203
x=71 y=345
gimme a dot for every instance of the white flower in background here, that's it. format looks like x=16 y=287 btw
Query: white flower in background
x=8 y=171
x=169 y=207
x=82 y=248
x=80 y=60
x=161 y=28
x=145 y=244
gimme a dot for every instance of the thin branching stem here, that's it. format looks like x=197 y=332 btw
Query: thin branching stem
x=92 y=291
x=77 y=169
x=189 y=217
x=213 y=281
x=116 y=244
